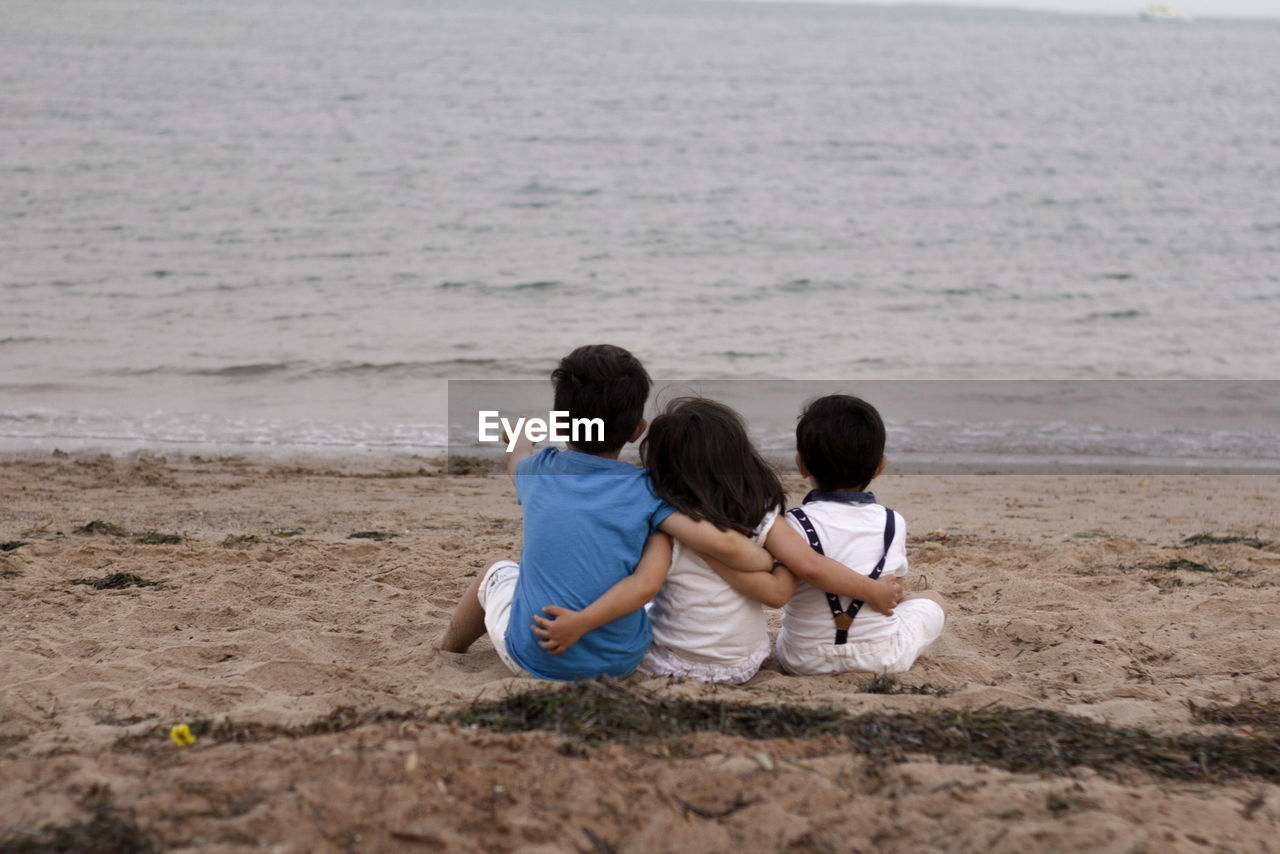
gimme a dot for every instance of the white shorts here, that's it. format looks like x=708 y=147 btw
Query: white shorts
x=920 y=623
x=497 y=590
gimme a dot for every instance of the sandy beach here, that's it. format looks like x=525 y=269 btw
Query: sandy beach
x=289 y=612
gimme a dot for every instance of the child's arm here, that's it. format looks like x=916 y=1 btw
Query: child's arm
x=772 y=588
x=522 y=449
x=786 y=544
x=729 y=547
x=563 y=628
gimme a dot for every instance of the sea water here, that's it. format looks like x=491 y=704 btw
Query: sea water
x=287 y=225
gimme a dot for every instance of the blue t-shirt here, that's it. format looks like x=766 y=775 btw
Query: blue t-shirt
x=586 y=519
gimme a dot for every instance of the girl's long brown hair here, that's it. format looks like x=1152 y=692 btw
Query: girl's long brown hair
x=702 y=463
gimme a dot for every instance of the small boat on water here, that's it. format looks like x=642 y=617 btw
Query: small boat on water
x=1163 y=13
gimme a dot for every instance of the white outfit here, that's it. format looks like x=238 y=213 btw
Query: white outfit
x=853 y=534
x=497 y=590
x=702 y=627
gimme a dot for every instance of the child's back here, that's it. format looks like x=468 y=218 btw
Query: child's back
x=703 y=621
x=586 y=516
x=701 y=460
x=851 y=532
x=840 y=445
x=586 y=519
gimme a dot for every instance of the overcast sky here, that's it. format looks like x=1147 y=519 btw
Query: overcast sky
x=1196 y=8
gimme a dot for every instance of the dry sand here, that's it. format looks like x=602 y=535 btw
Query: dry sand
x=1073 y=593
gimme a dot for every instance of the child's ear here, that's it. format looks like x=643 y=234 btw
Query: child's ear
x=639 y=431
x=804 y=472
x=880 y=468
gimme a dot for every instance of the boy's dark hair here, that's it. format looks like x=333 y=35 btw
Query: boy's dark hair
x=605 y=382
x=840 y=439
x=702 y=463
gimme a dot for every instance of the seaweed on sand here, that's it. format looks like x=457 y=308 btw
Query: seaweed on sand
x=245 y=732
x=1177 y=564
x=467 y=465
x=379 y=536
x=105 y=831
x=1021 y=740
x=155 y=538
x=1263 y=714
x=1214 y=539
x=600 y=710
x=97 y=526
x=889 y=684
x=116 y=581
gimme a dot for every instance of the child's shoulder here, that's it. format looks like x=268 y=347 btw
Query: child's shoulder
x=538 y=462
x=553 y=460
x=833 y=511
x=561 y=474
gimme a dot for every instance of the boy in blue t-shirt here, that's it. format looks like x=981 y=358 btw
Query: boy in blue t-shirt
x=588 y=519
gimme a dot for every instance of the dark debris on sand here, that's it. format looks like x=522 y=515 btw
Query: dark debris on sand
x=107 y=830
x=245 y=732
x=155 y=538
x=379 y=536
x=1262 y=714
x=465 y=465
x=1020 y=740
x=97 y=526
x=888 y=684
x=116 y=581
x=1213 y=539
x=1033 y=741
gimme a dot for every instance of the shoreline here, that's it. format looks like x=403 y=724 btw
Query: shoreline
x=988 y=464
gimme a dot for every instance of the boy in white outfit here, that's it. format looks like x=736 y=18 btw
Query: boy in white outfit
x=840 y=448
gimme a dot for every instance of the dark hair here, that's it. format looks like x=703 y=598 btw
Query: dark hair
x=702 y=463
x=605 y=382
x=840 y=439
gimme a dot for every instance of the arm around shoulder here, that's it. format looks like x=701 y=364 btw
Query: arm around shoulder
x=772 y=588
x=786 y=544
x=563 y=627
x=729 y=547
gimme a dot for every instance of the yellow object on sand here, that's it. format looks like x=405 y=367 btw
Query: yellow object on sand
x=181 y=735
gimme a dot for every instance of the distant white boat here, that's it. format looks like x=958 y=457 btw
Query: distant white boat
x=1163 y=13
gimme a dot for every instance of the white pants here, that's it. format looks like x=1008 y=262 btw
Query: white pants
x=919 y=624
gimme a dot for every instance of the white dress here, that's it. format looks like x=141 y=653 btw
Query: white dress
x=702 y=627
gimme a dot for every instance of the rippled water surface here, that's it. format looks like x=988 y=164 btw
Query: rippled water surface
x=287 y=223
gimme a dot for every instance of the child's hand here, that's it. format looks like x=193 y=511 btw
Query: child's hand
x=561 y=630
x=888 y=594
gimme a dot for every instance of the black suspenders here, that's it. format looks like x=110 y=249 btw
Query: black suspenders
x=844 y=616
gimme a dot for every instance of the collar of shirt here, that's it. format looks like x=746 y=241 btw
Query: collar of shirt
x=843 y=496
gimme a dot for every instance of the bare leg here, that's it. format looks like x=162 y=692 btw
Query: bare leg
x=467 y=624
x=932 y=595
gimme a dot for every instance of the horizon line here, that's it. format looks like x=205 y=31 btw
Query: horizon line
x=977 y=5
